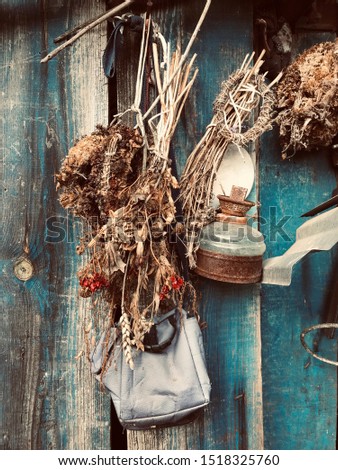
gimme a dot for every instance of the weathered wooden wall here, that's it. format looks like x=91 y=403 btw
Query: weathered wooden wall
x=48 y=399
x=299 y=392
x=266 y=390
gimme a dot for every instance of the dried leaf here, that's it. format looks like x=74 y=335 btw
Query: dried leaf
x=139 y=249
x=121 y=265
x=174 y=183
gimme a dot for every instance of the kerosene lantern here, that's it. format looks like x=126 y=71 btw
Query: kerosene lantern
x=230 y=250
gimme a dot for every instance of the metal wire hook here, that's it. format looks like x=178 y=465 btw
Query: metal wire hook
x=320 y=326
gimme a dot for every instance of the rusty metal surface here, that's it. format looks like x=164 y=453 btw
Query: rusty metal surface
x=234 y=207
x=235 y=204
x=233 y=269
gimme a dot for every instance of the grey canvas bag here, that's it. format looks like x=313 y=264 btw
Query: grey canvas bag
x=169 y=383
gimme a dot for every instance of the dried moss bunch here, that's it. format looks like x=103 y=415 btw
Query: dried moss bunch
x=307 y=100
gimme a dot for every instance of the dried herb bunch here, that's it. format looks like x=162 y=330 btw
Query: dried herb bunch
x=119 y=180
x=243 y=92
x=97 y=170
x=307 y=100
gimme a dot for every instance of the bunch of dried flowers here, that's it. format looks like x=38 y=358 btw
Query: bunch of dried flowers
x=119 y=180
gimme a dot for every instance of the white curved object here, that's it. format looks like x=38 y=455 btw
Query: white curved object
x=236 y=169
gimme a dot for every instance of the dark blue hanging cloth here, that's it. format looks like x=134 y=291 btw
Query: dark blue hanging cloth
x=133 y=23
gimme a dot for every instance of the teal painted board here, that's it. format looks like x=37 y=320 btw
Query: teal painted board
x=232 y=312
x=234 y=418
x=299 y=392
x=233 y=353
x=48 y=398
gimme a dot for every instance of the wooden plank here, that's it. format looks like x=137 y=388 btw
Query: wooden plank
x=48 y=399
x=299 y=392
x=232 y=339
x=234 y=418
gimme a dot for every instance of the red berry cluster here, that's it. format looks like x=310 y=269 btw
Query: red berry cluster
x=94 y=282
x=176 y=283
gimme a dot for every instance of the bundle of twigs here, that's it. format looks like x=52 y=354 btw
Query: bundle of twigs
x=244 y=92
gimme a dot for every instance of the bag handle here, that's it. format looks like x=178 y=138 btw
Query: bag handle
x=160 y=347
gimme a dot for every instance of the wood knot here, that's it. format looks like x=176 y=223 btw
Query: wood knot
x=23 y=269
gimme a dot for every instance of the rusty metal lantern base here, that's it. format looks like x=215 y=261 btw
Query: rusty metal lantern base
x=233 y=269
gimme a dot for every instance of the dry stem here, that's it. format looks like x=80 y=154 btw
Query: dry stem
x=184 y=56
x=87 y=28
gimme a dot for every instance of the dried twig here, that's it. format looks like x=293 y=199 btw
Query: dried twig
x=185 y=54
x=70 y=33
x=87 y=28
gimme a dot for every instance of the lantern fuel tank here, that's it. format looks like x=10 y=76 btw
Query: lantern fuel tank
x=230 y=250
